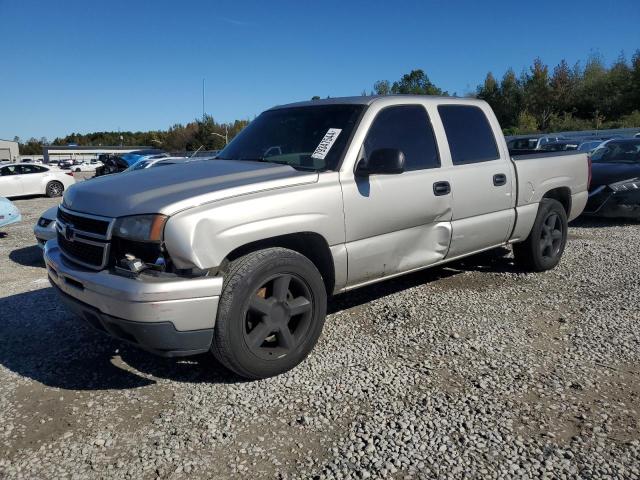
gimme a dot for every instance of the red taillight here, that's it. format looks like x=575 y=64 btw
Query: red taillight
x=589 y=180
x=71 y=173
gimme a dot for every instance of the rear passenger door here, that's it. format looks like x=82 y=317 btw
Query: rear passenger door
x=396 y=222
x=482 y=183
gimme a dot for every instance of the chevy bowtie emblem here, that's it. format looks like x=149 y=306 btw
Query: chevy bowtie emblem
x=68 y=232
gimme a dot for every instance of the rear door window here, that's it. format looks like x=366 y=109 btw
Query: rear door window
x=23 y=169
x=469 y=134
x=406 y=128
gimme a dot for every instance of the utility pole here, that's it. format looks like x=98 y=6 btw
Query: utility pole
x=203 y=99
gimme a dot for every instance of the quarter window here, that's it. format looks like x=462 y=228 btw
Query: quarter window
x=469 y=134
x=406 y=128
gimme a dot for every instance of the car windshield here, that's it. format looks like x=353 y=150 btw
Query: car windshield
x=306 y=138
x=619 y=151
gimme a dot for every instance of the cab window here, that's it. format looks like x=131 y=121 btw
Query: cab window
x=469 y=134
x=406 y=128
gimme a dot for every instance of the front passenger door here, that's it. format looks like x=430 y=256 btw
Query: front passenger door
x=397 y=222
x=10 y=184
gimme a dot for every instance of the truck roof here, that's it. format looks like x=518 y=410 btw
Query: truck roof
x=369 y=99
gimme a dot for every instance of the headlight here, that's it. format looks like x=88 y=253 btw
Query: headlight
x=143 y=228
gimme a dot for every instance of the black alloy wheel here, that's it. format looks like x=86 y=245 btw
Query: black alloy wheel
x=270 y=314
x=278 y=316
x=551 y=236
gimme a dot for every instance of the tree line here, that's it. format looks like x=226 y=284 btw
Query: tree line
x=541 y=99
x=203 y=133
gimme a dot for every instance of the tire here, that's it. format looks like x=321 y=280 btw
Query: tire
x=77 y=170
x=545 y=244
x=54 y=189
x=271 y=313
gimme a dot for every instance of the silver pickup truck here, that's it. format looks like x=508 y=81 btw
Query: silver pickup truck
x=237 y=255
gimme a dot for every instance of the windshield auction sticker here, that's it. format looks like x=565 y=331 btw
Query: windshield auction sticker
x=326 y=143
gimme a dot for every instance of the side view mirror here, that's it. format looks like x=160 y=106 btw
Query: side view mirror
x=382 y=161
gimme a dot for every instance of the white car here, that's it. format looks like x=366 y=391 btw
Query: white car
x=17 y=179
x=45 y=227
x=156 y=161
x=85 y=167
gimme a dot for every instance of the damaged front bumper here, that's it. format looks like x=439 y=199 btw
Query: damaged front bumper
x=616 y=200
x=169 y=316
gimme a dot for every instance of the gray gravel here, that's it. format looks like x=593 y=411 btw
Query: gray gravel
x=470 y=371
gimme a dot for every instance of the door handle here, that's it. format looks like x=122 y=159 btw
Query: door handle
x=499 y=179
x=441 y=188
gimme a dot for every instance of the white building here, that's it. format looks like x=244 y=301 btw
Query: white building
x=9 y=150
x=73 y=152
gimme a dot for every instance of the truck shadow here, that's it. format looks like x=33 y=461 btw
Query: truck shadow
x=28 y=256
x=496 y=260
x=40 y=340
x=600 y=222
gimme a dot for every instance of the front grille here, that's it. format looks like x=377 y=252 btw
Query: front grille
x=91 y=255
x=86 y=224
x=84 y=239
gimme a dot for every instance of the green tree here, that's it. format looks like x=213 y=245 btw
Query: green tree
x=417 y=83
x=382 y=87
x=538 y=96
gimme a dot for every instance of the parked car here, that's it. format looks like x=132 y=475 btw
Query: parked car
x=238 y=255
x=156 y=162
x=9 y=213
x=111 y=164
x=133 y=157
x=615 y=186
x=65 y=164
x=525 y=144
x=589 y=145
x=560 y=146
x=45 y=227
x=85 y=167
x=17 y=179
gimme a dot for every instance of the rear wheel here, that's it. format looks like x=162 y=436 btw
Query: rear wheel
x=545 y=244
x=271 y=313
x=54 y=189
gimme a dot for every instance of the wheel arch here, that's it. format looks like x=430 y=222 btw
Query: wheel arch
x=310 y=244
x=562 y=195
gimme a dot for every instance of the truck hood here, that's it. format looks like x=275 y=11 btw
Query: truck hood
x=173 y=188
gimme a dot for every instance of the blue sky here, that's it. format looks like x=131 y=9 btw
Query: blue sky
x=81 y=66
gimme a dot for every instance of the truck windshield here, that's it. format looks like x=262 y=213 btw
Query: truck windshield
x=306 y=138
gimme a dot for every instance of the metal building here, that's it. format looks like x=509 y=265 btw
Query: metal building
x=8 y=150
x=73 y=152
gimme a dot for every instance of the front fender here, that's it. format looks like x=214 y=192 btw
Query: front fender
x=203 y=236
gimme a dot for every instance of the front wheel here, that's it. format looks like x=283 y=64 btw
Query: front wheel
x=271 y=313
x=545 y=244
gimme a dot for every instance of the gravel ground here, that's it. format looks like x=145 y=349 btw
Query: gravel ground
x=473 y=370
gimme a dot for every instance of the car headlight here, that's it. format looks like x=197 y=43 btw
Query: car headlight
x=142 y=228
